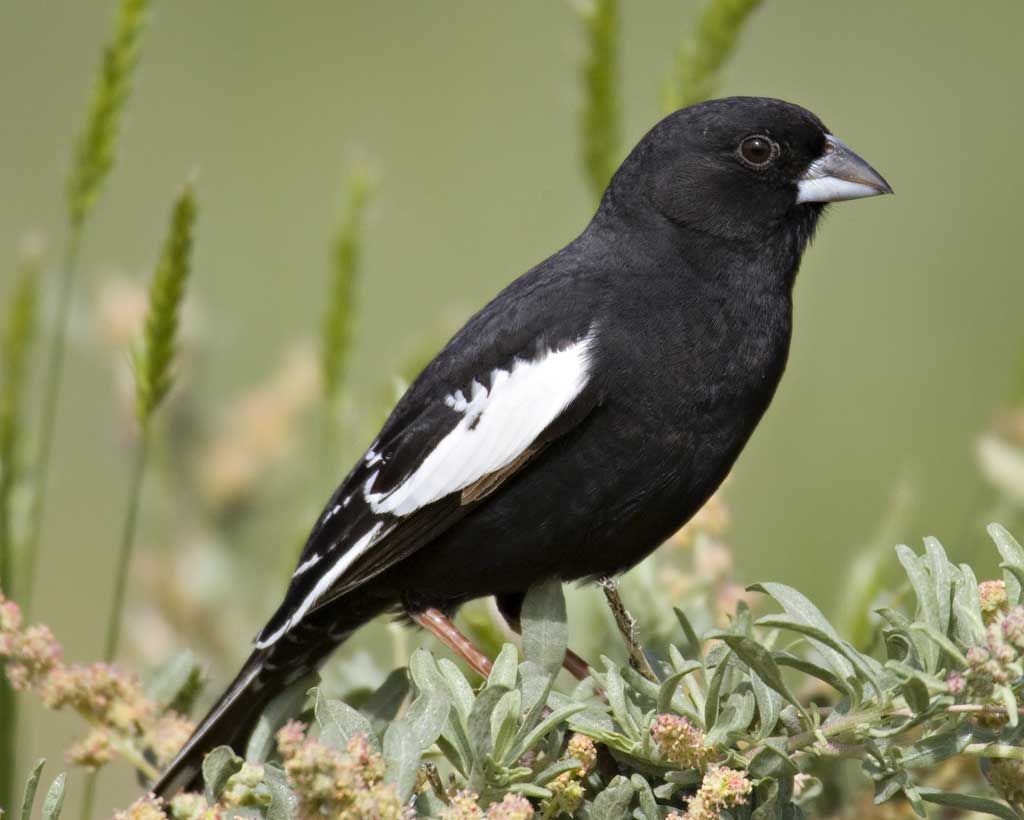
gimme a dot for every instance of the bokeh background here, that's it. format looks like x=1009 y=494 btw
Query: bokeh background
x=907 y=336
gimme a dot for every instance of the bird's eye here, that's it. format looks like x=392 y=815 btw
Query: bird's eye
x=757 y=151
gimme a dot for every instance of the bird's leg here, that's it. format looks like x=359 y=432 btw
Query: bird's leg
x=441 y=627
x=510 y=607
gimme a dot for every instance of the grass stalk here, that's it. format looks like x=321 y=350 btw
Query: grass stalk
x=339 y=318
x=154 y=377
x=127 y=545
x=701 y=56
x=94 y=155
x=14 y=356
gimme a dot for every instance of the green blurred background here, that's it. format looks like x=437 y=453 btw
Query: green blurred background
x=906 y=337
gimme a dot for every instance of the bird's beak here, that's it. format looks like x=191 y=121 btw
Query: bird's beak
x=839 y=174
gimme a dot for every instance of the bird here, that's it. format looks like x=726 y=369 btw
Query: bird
x=585 y=413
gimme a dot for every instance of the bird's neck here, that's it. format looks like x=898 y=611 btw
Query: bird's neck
x=761 y=263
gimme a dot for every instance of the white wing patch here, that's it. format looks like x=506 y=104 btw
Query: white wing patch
x=497 y=426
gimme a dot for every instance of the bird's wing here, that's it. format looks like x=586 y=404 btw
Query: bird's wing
x=469 y=422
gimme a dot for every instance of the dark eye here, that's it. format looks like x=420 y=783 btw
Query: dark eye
x=758 y=151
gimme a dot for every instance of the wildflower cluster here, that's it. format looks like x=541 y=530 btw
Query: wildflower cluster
x=463 y=806
x=722 y=788
x=245 y=789
x=345 y=785
x=998 y=661
x=567 y=789
x=123 y=720
x=680 y=742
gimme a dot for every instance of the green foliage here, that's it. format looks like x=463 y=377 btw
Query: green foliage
x=154 y=360
x=96 y=147
x=744 y=721
x=345 y=257
x=701 y=56
x=15 y=348
x=600 y=117
x=31 y=786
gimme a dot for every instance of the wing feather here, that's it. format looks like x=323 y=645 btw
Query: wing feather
x=419 y=478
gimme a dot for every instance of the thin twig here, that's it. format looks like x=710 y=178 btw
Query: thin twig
x=627 y=627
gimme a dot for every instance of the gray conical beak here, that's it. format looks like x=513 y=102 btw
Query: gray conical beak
x=839 y=174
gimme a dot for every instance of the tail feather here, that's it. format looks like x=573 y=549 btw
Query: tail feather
x=228 y=723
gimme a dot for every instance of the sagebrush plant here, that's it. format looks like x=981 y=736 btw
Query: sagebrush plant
x=700 y=704
x=743 y=721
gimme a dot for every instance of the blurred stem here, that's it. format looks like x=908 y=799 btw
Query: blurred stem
x=701 y=56
x=127 y=545
x=89 y=795
x=600 y=121
x=121 y=585
x=51 y=399
x=8 y=742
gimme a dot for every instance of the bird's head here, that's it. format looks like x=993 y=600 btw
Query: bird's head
x=743 y=168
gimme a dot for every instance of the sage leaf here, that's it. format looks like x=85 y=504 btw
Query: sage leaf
x=648 y=805
x=261 y=742
x=427 y=716
x=402 y=752
x=801 y=610
x=613 y=803
x=942 y=580
x=31 y=786
x=54 y=800
x=387 y=699
x=760 y=661
x=967 y=802
x=503 y=671
x=545 y=631
x=339 y=722
x=218 y=766
x=1012 y=553
x=479 y=722
x=692 y=649
x=284 y=803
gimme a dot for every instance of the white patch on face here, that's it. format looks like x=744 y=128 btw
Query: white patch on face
x=831 y=189
x=498 y=425
x=837 y=175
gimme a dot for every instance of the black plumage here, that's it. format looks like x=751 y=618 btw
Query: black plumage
x=644 y=354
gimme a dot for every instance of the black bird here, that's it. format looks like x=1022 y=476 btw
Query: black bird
x=583 y=415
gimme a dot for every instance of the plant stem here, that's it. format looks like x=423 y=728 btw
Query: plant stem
x=51 y=399
x=627 y=627
x=127 y=544
x=120 y=588
x=8 y=741
x=1003 y=751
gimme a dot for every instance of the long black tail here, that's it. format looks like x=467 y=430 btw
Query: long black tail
x=267 y=673
x=229 y=722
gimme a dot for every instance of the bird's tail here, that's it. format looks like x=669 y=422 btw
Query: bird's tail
x=229 y=722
